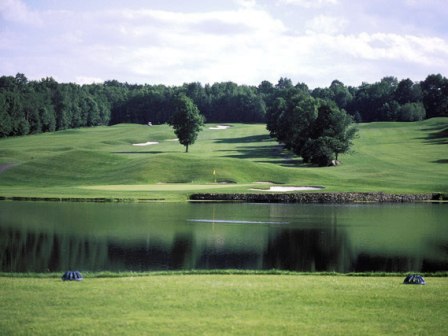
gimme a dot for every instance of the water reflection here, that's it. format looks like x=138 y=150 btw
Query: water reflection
x=41 y=237
x=309 y=250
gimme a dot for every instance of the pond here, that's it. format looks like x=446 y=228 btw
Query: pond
x=54 y=237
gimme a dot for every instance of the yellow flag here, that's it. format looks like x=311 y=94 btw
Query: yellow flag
x=214 y=172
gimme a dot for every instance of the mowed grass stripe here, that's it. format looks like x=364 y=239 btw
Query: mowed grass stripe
x=161 y=187
x=223 y=304
x=389 y=157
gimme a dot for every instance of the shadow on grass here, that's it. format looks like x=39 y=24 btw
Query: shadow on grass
x=147 y=152
x=441 y=161
x=248 y=139
x=289 y=162
x=437 y=134
x=266 y=154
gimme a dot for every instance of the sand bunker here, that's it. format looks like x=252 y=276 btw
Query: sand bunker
x=149 y=143
x=219 y=127
x=172 y=139
x=286 y=189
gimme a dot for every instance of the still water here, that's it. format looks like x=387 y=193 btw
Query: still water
x=53 y=237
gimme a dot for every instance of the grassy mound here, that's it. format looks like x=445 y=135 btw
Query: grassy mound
x=104 y=162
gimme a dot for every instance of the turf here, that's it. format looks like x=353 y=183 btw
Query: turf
x=223 y=304
x=102 y=162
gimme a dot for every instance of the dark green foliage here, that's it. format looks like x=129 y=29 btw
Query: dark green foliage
x=411 y=112
x=229 y=102
x=408 y=92
x=333 y=127
x=435 y=95
x=186 y=121
x=5 y=123
x=141 y=104
x=337 y=92
x=220 y=102
x=341 y=94
x=390 y=100
x=29 y=107
x=374 y=102
x=317 y=151
x=315 y=129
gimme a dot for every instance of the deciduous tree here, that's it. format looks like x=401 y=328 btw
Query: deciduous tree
x=435 y=95
x=186 y=121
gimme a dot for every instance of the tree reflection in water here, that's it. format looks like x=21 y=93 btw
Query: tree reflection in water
x=305 y=250
x=54 y=237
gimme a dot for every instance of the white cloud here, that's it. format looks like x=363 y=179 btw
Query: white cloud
x=88 y=80
x=176 y=21
x=406 y=48
x=255 y=46
x=245 y=45
x=369 y=57
x=180 y=47
x=17 y=11
x=310 y=3
x=326 y=24
x=246 y=3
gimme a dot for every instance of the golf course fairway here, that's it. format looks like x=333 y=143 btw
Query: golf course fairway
x=391 y=157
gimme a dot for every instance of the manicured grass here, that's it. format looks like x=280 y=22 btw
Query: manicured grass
x=102 y=162
x=223 y=304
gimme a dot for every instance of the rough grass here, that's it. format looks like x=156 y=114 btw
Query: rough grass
x=223 y=304
x=102 y=162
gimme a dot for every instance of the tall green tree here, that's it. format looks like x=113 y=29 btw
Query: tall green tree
x=315 y=129
x=435 y=95
x=186 y=121
x=412 y=112
x=332 y=134
x=5 y=119
x=408 y=92
x=341 y=94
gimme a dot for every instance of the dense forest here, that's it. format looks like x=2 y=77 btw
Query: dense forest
x=30 y=107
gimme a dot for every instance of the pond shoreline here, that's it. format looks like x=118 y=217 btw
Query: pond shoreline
x=321 y=197
x=130 y=274
x=80 y=199
x=302 y=197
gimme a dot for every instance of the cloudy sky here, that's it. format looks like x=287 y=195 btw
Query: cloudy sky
x=245 y=41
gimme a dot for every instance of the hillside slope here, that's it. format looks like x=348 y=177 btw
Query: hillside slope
x=113 y=162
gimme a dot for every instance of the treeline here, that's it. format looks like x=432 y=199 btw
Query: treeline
x=220 y=102
x=30 y=107
x=390 y=99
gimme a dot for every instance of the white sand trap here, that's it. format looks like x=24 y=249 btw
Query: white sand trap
x=219 y=127
x=172 y=139
x=285 y=189
x=149 y=143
